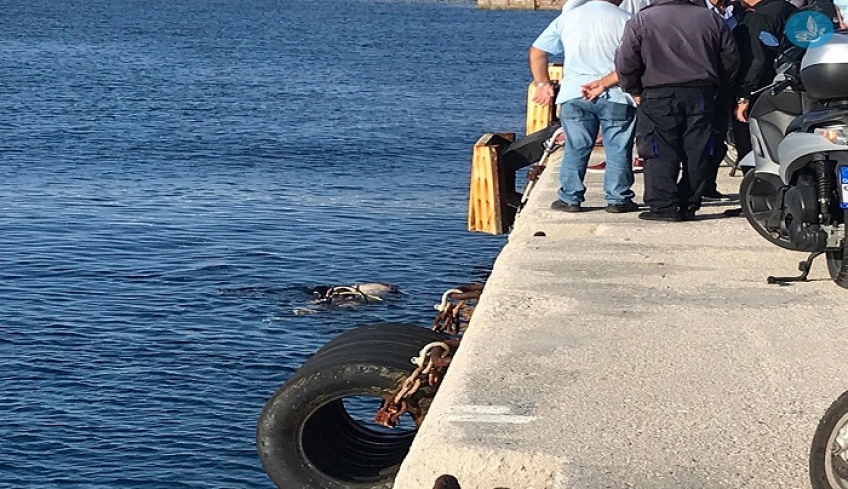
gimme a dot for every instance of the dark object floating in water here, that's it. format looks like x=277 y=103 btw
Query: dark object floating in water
x=333 y=296
x=354 y=294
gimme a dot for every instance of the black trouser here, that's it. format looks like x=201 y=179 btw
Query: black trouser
x=742 y=137
x=721 y=123
x=524 y=152
x=674 y=128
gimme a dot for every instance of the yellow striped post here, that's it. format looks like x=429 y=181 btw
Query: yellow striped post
x=541 y=116
x=487 y=209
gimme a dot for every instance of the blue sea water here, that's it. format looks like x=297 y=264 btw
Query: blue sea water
x=176 y=172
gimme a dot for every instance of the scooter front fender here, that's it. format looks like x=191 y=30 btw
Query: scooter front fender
x=798 y=148
x=760 y=165
x=748 y=160
x=760 y=156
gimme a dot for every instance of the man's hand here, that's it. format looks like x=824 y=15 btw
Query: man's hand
x=637 y=99
x=544 y=95
x=741 y=112
x=592 y=90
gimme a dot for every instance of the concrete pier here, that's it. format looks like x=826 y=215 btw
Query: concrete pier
x=618 y=353
x=519 y=4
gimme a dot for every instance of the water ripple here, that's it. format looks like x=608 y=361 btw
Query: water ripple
x=177 y=175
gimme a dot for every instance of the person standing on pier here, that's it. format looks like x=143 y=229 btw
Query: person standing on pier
x=757 y=60
x=731 y=12
x=674 y=56
x=588 y=37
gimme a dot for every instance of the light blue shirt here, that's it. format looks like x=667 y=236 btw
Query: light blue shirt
x=588 y=37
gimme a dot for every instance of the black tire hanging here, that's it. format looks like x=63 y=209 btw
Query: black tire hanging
x=305 y=436
x=829 y=470
x=757 y=196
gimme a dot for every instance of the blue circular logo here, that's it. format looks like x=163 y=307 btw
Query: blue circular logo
x=809 y=29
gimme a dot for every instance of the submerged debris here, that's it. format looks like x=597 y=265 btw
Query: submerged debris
x=365 y=293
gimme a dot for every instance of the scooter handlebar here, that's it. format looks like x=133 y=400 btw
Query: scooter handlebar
x=781 y=86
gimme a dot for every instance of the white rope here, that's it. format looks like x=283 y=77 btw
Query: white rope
x=441 y=307
x=422 y=355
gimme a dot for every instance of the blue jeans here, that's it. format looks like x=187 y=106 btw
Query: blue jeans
x=580 y=122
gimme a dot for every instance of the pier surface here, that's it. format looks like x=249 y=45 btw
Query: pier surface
x=618 y=353
x=519 y=4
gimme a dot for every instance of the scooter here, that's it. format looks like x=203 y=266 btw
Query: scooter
x=796 y=195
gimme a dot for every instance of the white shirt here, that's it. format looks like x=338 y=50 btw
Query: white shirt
x=631 y=6
x=728 y=16
x=588 y=37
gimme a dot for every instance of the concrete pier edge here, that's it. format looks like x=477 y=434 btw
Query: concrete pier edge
x=618 y=353
x=519 y=4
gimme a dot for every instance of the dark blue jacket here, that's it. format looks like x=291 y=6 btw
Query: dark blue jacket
x=675 y=43
x=758 y=59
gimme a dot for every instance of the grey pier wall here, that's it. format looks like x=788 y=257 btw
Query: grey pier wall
x=519 y=4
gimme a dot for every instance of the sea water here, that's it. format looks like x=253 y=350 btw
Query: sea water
x=176 y=174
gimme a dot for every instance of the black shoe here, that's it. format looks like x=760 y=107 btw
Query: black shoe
x=627 y=206
x=559 y=205
x=715 y=196
x=688 y=213
x=661 y=216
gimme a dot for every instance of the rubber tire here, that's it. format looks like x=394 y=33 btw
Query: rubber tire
x=746 y=200
x=837 y=260
x=304 y=436
x=837 y=266
x=381 y=332
x=820 y=447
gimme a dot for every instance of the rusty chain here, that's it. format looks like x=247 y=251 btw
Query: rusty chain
x=433 y=360
x=453 y=318
x=395 y=407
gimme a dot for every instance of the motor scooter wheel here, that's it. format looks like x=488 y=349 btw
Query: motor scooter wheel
x=829 y=450
x=837 y=266
x=757 y=196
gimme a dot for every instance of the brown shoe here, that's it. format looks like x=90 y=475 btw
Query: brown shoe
x=598 y=168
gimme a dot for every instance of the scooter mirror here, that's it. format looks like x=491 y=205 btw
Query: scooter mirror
x=769 y=39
